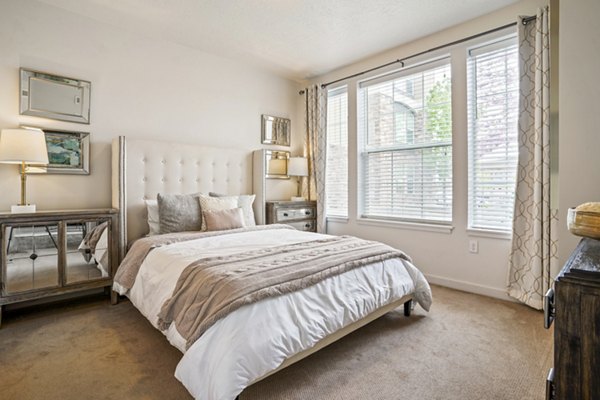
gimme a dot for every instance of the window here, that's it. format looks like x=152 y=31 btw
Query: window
x=493 y=101
x=336 y=177
x=405 y=123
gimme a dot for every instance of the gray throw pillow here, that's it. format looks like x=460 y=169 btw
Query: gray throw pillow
x=179 y=212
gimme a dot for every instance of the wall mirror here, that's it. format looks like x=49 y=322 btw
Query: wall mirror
x=56 y=97
x=276 y=164
x=276 y=130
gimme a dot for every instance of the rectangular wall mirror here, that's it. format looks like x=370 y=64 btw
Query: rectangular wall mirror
x=55 y=97
x=276 y=164
x=276 y=130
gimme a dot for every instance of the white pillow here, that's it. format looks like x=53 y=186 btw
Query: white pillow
x=153 y=218
x=245 y=202
x=208 y=203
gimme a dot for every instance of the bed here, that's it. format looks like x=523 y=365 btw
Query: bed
x=260 y=336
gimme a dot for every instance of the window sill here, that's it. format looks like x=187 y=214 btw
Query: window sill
x=417 y=226
x=489 y=233
x=336 y=219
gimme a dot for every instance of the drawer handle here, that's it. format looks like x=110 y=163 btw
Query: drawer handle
x=550 y=394
x=307 y=212
x=307 y=225
x=549 y=311
x=285 y=214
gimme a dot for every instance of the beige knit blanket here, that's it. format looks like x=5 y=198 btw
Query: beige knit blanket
x=130 y=266
x=211 y=288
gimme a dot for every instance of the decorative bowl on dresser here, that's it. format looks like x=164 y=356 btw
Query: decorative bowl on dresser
x=43 y=255
x=574 y=307
x=302 y=215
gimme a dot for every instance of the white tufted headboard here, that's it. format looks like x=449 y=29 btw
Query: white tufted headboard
x=143 y=168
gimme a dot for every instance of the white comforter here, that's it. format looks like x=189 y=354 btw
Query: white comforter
x=255 y=339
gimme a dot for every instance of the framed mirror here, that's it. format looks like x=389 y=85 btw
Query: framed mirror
x=276 y=130
x=56 y=97
x=276 y=163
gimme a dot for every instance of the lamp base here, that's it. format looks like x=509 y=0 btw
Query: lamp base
x=29 y=208
x=298 y=198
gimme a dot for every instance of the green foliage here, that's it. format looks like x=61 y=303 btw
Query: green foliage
x=438 y=111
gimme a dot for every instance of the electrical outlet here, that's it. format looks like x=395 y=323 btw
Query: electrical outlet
x=473 y=246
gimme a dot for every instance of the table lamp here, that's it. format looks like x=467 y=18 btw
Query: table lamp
x=23 y=146
x=298 y=167
x=277 y=165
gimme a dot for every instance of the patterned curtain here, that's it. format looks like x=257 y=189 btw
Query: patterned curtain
x=315 y=149
x=534 y=248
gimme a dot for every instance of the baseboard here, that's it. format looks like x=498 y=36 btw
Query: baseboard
x=469 y=287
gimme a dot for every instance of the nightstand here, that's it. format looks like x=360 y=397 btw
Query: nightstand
x=302 y=215
x=43 y=253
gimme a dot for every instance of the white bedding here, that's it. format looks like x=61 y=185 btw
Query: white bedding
x=255 y=339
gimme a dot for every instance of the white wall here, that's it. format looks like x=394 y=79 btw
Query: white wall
x=141 y=87
x=443 y=257
x=579 y=100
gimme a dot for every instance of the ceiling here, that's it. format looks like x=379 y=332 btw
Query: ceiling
x=297 y=39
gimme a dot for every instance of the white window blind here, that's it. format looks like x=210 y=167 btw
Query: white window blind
x=493 y=102
x=405 y=123
x=336 y=176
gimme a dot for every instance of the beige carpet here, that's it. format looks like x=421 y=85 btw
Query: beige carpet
x=467 y=347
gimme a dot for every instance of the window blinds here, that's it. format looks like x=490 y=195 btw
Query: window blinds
x=493 y=102
x=405 y=121
x=336 y=176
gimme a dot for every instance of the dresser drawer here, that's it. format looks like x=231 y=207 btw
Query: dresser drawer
x=295 y=213
x=309 y=225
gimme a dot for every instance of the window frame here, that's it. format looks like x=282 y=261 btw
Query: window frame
x=363 y=149
x=479 y=49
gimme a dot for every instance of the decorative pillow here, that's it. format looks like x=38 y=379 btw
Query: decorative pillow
x=224 y=219
x=153 y=221
x=245 y=202
x=208 y=203
x=179 y=212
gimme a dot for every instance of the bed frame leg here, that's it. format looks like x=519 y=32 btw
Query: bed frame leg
x=114 y=297
x=408 y=308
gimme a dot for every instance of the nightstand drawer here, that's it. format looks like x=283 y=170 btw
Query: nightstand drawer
x=295 y=213
x=309 y=225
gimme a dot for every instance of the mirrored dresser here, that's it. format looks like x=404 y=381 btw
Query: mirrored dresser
x=302 y=215
x=51 y=253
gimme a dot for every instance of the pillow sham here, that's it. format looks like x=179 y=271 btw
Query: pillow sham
x=208 y=203
x=223 y=219
x=245 y=202
x=179 y=212
x=153 y=220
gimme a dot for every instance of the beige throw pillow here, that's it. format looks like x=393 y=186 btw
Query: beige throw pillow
x=224 y=219
x=208 y=203
x=245 y=202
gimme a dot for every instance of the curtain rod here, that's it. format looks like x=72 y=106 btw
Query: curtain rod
x=526 y=20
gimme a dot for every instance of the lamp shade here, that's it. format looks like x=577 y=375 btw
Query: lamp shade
x=298 y=166
x=23 y=145
x=277 y=166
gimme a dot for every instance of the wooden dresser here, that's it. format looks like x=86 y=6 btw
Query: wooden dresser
x=302 y=215
x=574 y=305
x=42 y=254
